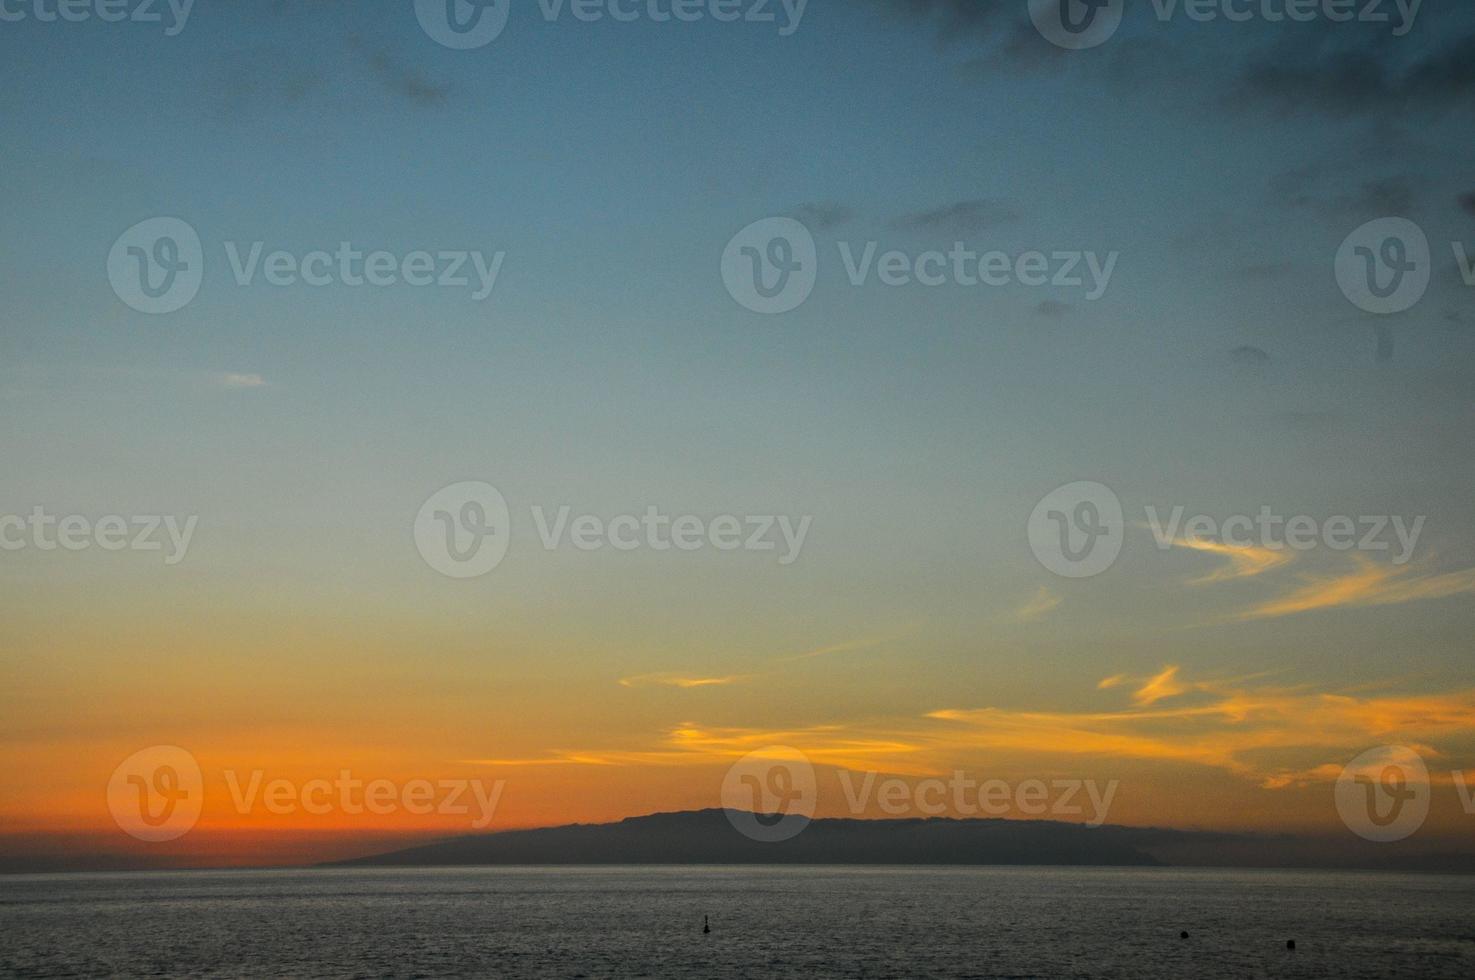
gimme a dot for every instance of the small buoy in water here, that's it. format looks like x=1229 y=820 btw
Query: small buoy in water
x=1182 y=935
x=1290 y=944
x=706 y=925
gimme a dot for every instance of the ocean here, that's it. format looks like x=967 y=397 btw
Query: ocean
x=766 y=922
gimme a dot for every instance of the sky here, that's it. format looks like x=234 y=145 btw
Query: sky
x=921 y=625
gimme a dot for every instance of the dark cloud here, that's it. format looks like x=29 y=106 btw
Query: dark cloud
x=1363 y=175
x=955 y=19
x=1321 y=67
x=1309 y=188
x=1343 y=82
x=1388 y=195
x=1018 y=47
x=1249 y=357
x=245 y=88
x=1296 y=76
x=1024 y=48
x=399 y=78
x=1053 y=308
x=964 y=217
x=824 y=216
x=407 y=81
x=1446 y=75
x=268 y=78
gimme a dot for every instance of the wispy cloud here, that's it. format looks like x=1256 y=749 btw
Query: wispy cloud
x=232 y=380
x=688 y=682
x=1149 y=690
x=399 y=78
x=1356 y=79
x=1330 y=192
x=1368 y=584
x=824 y=216
x=1244 y=561
x=962 y=218
x=691 y=744
x=559 y=759
x=1272 y=735
x=1250 y=357
x=1256 y=731
x=1041 y=603
x=677 y=680
x=849 y=646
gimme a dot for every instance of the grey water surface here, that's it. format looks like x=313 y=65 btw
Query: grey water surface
x=766 y=922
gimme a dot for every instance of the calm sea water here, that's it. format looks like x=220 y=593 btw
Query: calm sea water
x=797 y=922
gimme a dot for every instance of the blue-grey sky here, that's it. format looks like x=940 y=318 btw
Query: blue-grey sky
x=1222 y=369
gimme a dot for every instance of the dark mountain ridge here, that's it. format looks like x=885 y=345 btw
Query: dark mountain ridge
x=708 y=837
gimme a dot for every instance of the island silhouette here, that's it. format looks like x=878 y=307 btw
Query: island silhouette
x=711 y=837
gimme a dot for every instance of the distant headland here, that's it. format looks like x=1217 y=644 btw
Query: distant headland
x=710 y=837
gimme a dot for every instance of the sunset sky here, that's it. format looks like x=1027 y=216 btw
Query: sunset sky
x=610 y=371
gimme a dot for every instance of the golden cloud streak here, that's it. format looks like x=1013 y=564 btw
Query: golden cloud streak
x=1368 y=585
x=1255 y=731
x=690 y=744
x=1043 y=602
x=1245 y=561
x=1227 y=726
x=676 y=680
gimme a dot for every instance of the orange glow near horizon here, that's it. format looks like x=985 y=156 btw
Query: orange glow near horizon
x=1178 y=748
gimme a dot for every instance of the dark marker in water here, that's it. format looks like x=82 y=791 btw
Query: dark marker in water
x=706 y=925
x=1290 y=944
x=1182 y=935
